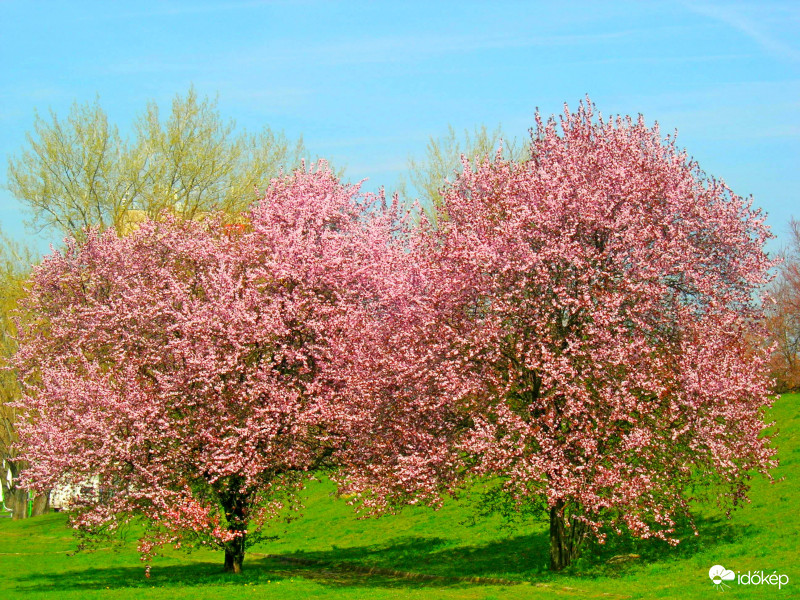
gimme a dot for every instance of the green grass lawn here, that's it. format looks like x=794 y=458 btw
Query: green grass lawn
x=428 y=554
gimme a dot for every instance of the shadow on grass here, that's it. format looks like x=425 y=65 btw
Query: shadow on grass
x=512 y=558
x=526 y=557
x=518 y=558
x=257 y=571
x=713 y=532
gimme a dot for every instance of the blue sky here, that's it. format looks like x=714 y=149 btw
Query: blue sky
x=367 y=83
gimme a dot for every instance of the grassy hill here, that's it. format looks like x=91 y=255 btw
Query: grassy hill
x=429 y=554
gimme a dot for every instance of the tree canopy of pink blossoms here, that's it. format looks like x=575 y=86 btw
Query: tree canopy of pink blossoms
x=584 y=335
x=610 y=290
x=185 y=364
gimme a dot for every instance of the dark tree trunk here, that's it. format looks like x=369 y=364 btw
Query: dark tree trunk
x=41 y=505
x=236 y=505
x=565 y=541
x=234 y=555
x=17 y=500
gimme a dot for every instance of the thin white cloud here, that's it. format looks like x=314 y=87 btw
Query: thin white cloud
x=743 y=111
x=754 y=24
x=173 y=9
x=353 y=50
x=657 y=60
x=420 y=46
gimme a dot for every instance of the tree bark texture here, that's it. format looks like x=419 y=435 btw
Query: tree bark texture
x=234 y=555
x=565 y=540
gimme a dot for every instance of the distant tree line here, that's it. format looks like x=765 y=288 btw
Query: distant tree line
x=783 y=316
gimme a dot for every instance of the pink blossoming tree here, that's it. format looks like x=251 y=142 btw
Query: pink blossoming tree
x=185 y=364
x=603 y=295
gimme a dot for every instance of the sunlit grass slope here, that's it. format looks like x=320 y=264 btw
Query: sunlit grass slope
x=421 y=553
